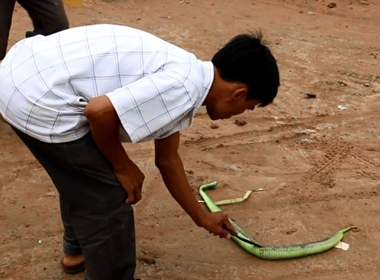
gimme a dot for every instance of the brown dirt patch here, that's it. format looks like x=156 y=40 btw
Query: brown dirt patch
x=318 y=158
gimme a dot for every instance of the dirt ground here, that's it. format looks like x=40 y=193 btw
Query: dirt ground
x=317 y=158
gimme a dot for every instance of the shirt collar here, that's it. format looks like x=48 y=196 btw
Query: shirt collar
x=208 y=74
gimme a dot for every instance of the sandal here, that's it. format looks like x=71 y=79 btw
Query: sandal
x=75 y=269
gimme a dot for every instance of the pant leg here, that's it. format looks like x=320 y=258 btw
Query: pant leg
x=48 y=16
x=6 y=12
x=70 y=240
x=93 y=200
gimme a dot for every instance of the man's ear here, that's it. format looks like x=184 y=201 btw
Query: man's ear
x=240 y=92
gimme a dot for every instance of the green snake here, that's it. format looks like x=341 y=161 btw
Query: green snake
x=270 y=252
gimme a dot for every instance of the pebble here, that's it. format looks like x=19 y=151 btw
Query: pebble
x=214 y=126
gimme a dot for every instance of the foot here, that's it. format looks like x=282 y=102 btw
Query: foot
x=70 y=260
x=73 y=264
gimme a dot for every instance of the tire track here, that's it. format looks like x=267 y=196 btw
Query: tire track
x=323 y=169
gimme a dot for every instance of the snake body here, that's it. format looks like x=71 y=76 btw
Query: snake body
x=270 y=252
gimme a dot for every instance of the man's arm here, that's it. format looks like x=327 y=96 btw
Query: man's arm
x=104 y=124
x=170 y=165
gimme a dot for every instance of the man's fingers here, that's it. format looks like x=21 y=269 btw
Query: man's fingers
x=220 y=225
x=131 y=195
x=131 y=198
x=134 y=196
x=229 y=227
x=222 y=233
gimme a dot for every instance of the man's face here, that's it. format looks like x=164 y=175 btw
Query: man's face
x=225 y=109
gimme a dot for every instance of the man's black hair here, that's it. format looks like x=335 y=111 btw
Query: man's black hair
x=247 y=60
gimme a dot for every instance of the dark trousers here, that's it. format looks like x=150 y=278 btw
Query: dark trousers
x=96 y=220
x=48 y=17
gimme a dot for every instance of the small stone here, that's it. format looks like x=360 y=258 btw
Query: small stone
x=214 y=126
x=240 y=123
x=233 y=168
x=150 y=260
x=331 y=5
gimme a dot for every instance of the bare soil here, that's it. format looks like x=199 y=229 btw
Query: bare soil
x=317 y=158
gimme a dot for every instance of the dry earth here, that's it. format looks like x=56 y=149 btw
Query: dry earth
x=317 y=158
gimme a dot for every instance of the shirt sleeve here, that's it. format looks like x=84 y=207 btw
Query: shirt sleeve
x=152 y=106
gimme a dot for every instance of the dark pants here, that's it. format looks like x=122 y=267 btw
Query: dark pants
x=48 y=17
x=96 y=220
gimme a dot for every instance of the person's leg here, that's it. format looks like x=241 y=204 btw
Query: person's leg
x=70 y=241
x=6 y=12
x=92 y=199
x=48 y=16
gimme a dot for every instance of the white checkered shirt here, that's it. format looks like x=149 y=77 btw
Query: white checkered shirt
x=155 y=87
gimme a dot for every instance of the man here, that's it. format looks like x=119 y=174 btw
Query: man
x=73 y=96
x=48 y=17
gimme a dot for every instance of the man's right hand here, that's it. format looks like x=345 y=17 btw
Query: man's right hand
x=132 y=180
x=217 y=224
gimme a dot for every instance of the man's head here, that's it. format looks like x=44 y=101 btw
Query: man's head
x=248 y=70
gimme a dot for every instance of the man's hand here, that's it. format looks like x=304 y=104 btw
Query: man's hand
x=132 y=180
x=217 y=224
